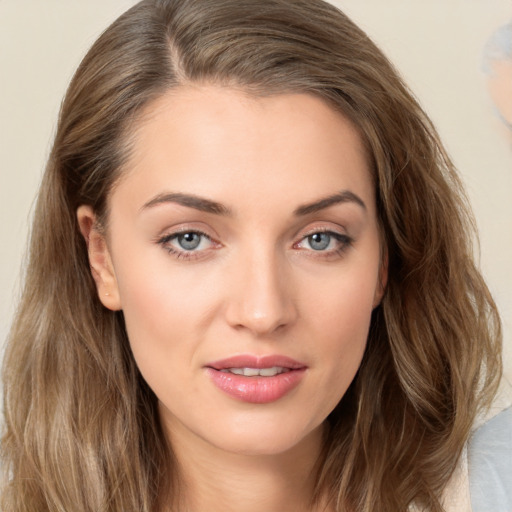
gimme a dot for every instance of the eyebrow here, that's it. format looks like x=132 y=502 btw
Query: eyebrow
x=190 y=201
x=345 y=196
x=210 y=206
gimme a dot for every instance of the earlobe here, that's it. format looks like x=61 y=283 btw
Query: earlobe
x=100 y=261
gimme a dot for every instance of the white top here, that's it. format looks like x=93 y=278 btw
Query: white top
x=490 y=465
x=483 y=481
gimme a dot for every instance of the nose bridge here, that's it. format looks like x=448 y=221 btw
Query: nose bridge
x=262 y=298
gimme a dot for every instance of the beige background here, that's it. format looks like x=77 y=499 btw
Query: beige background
x=437 y=45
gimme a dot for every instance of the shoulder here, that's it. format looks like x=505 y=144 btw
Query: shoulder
x=490 y=465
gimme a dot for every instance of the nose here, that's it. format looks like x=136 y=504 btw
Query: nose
x=261 y=298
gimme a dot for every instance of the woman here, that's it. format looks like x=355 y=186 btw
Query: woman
x=251 y=280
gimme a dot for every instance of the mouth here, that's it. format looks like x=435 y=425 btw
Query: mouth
x=254 y=379
x=257 y=372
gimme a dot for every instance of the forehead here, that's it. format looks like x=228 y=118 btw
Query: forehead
x=227 y=144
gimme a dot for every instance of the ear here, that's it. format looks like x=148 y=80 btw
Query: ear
x=100 y=262
x=382 y=279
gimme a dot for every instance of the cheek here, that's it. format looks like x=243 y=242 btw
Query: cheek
x=157 y=297
x=161 y=312
x=341 y=321
x=342 y=305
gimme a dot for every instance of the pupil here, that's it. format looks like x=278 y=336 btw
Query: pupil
x=319 y=241
x=189 y=241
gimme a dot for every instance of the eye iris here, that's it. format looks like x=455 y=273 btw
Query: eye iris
x=189 y=241
x=319 y=241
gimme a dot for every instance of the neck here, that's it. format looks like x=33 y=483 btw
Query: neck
x=248 y=482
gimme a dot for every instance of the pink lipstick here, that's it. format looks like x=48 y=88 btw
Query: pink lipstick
x=254 y=379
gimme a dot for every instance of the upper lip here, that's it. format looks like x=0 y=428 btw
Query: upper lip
x=253 y=361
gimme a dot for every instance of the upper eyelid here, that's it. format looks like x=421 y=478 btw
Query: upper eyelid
x=184 y=232
x=322 y=229
x=332 y=233
x=171 y=232
x=167 y=239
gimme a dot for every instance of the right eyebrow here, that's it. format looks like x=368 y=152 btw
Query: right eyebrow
x=190 y=201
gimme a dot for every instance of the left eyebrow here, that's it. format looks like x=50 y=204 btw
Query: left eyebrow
x=345 y=196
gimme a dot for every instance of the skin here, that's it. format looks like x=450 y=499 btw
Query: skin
x=256 y=284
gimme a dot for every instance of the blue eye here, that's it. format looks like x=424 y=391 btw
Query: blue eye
x=325 y=242
x=187 y=244
x=189 y=241
x=319 y=241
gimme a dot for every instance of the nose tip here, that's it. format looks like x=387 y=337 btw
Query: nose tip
x=260 y=322
x=263 y=301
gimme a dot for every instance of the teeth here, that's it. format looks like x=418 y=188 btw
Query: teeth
x=257 y=372
x=251 y=372
x=270 y=372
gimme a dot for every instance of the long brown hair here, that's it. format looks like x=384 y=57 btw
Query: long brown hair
x=81 y=426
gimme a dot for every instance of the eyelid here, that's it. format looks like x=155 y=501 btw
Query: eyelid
x=334 y=234
x=186 y=227
x=320 y=229
x=172 y=236
x=165 y=242
x=344 y=241
x=336 y=230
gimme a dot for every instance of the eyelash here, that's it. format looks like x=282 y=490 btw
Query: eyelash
x=183 y=254
x=344 y=243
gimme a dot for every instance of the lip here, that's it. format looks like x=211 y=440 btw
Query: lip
x=251 y=361
x=256 y=390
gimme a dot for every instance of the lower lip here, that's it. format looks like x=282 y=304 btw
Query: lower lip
x=256 y=390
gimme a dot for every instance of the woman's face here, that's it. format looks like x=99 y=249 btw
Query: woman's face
x=243 y=249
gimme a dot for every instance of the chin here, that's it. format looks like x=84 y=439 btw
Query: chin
x=265 y=440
